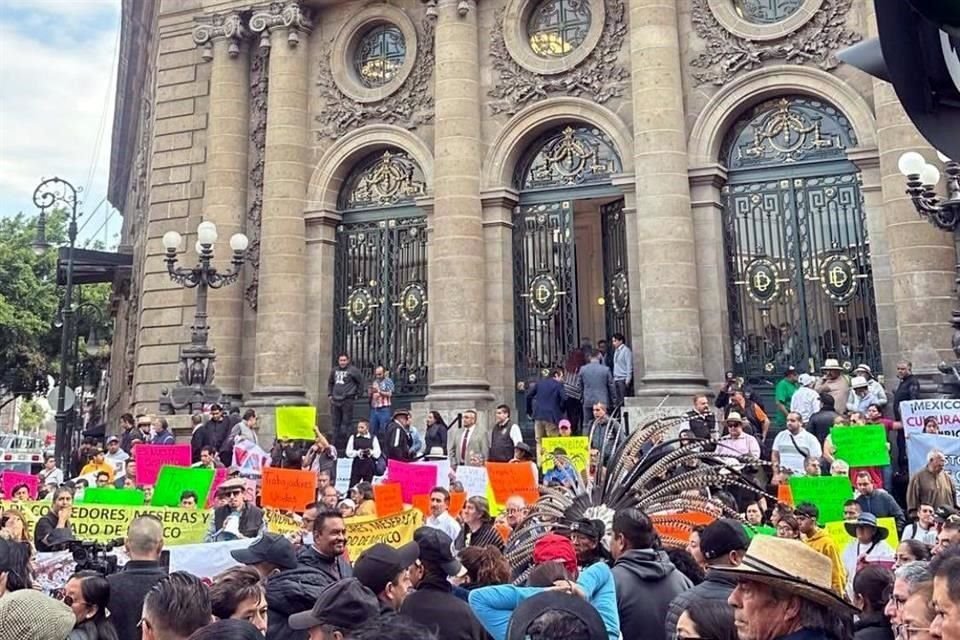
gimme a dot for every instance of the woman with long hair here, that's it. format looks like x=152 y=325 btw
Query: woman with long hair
x=13 y=526
x=871 y=590
x=709 y=619
x=910 y=551
x=485 y=566
x=435 y=435
x=15 y=572
x=87 y=594
x=478 y=530
x=364 y=499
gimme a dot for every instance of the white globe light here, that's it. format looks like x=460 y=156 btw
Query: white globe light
x=171 y=240
x=929 y=176
x=206 y=232
x=239 y=242
x=198 y=248
x=943 y=157
x=911 y=163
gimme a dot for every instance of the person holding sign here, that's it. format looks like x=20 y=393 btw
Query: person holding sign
x=236 y=519
x=792 y=447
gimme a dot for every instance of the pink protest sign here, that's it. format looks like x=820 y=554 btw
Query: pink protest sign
x=414 y=479
x=218 y=477
x=12 y=479
x=150 y=457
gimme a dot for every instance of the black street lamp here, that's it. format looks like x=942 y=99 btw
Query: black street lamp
x=195 y=380
x=943 y=213
x=49 y=195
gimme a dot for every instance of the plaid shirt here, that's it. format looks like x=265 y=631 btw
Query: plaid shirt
x=376 y=400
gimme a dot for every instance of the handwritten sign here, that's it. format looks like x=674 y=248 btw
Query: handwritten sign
x=388 y=497
x=296 y=423
x=414 y=479
x=13 y=479
x=827 y=492
x=288 y=489
x=128 y=497
x=457 y=500
x=173 y=481
x=473 y=479
x=509 y=479
x=577 y=448
x=861 y=446
x=152 y=457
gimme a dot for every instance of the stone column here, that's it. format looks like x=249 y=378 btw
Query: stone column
x=457 y=269
x=225 y=191
x=498 y=241
x=281 y=302
x=669 y=299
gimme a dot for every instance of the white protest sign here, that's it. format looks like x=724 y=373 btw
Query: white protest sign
x=945 y=410
x=473 y=479
x=344 y=468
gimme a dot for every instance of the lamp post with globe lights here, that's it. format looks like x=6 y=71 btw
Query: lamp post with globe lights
x=943 y=213
x=195 y=379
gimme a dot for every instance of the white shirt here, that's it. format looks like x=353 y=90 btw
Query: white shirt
x=806 y=402
x=914 y=531
x=851 y=556
x=515 y=434
x=51 y=477
x=446 y=523
x=790 y=457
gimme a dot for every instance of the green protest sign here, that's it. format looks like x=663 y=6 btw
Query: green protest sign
x=827 y=492
x=173 y=481
x=861 y=446
x=129 y=497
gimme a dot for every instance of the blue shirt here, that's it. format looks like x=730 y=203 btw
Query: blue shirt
x=560 y=476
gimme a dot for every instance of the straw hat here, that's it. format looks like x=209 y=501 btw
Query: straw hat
x=859 y=382
x=831 y=364
x=866 y=369
x=792 y=566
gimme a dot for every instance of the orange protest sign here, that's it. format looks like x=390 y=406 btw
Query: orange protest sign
x=457 y=500
x=785 y=494
x=388 y=498
x=422 y=504
x=508 y=479
x=288 y=489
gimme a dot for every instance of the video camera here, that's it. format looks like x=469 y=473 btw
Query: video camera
x=95 y=556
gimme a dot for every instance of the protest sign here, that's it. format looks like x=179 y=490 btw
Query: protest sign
x=130 y=497
x=473 y=479
x=151 y=457
x=173 y=481
x=443 y=470
x=13 y=479
x=219 y=475
x=945 y=410
x=457 y=500
x=509 y=479
x=279 y=522
x=919 y=445
x=422 y=504
x=206 y=560
x=395 y=530
x=861 y=446
x=102 y=523
x=828 y=493
x=249 y=459
x=344 y=470
x=289 y=489
x=414 y=479
x=296 y=423
x=388 y=497
x=577 y=448
x=841 y=538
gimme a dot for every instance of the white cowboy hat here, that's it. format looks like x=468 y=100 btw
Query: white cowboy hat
x=859 y=382
x=831 y=363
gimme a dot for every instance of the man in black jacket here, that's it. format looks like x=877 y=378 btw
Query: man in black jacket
x=398 y=441
x=236 y=519
x=908 y=389
x=645 y=579
x=129 y=587
x=723 y=544
x=344 y=386
x=212 y=434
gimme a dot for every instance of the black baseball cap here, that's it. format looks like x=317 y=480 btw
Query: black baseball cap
x=721 y=537
x=379 y=565
x=344 y=605
x=270 y=547
x=593 y=529
x=435 y=548
x=943 y=512
x=532 y=608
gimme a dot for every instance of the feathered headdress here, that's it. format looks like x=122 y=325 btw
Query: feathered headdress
x=666 y=479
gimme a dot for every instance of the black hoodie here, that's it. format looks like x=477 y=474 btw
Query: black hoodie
x=290 y=592
x=646 y=583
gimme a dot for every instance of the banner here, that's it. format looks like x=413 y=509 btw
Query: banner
x=577 y=448
x=173 y=481
x=296 y=423
x=249 y=459
x=827 y=492
x=397 y=530
x=151 y=457
x=919 y=445
x=127 y=497
x=279 y=522
x=945 y=410
x=861 y=446
x=414 y=479
x=289 y=489
x=103 y=523
x=12 y=479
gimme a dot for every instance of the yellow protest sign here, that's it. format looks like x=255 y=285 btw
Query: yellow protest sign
x=104 y=522
x=364 y=532
x=279 y=522
x=577 y=448
x=296 y=423
x=841 y=538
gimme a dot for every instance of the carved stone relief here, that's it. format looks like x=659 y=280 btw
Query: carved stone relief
x=727 y=54
x=409 y=107
x=259 y=72
x=599 y=77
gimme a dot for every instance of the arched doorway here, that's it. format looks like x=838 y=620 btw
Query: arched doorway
x=799 y=275
x=570 y=253
x=380 y=273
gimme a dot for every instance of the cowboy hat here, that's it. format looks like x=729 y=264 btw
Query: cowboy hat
x=862 y=367
x=866 y=520
x=733 y=416
x=791 y=566
x=831 y=363
x=859 y=382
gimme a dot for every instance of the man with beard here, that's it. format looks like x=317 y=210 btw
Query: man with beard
x=386 y=571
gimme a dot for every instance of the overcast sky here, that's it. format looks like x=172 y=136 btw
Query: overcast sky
x=58 y=74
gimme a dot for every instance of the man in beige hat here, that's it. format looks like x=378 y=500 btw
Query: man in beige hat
x=783 y=590
x=876 y=389
x=834 y=383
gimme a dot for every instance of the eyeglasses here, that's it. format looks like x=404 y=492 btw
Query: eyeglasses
x=905 y=630
x=234 y=492
x=69 y=601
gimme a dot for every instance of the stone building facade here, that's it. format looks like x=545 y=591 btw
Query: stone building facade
x=463 y=191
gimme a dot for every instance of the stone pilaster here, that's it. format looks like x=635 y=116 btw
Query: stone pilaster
x=498 y=208
x=457 y=270
x=223 y=38
x=669 y=298
x=281 y=302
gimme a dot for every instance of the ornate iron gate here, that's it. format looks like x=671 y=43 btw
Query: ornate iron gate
x=380 y=299
x=615 y=285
